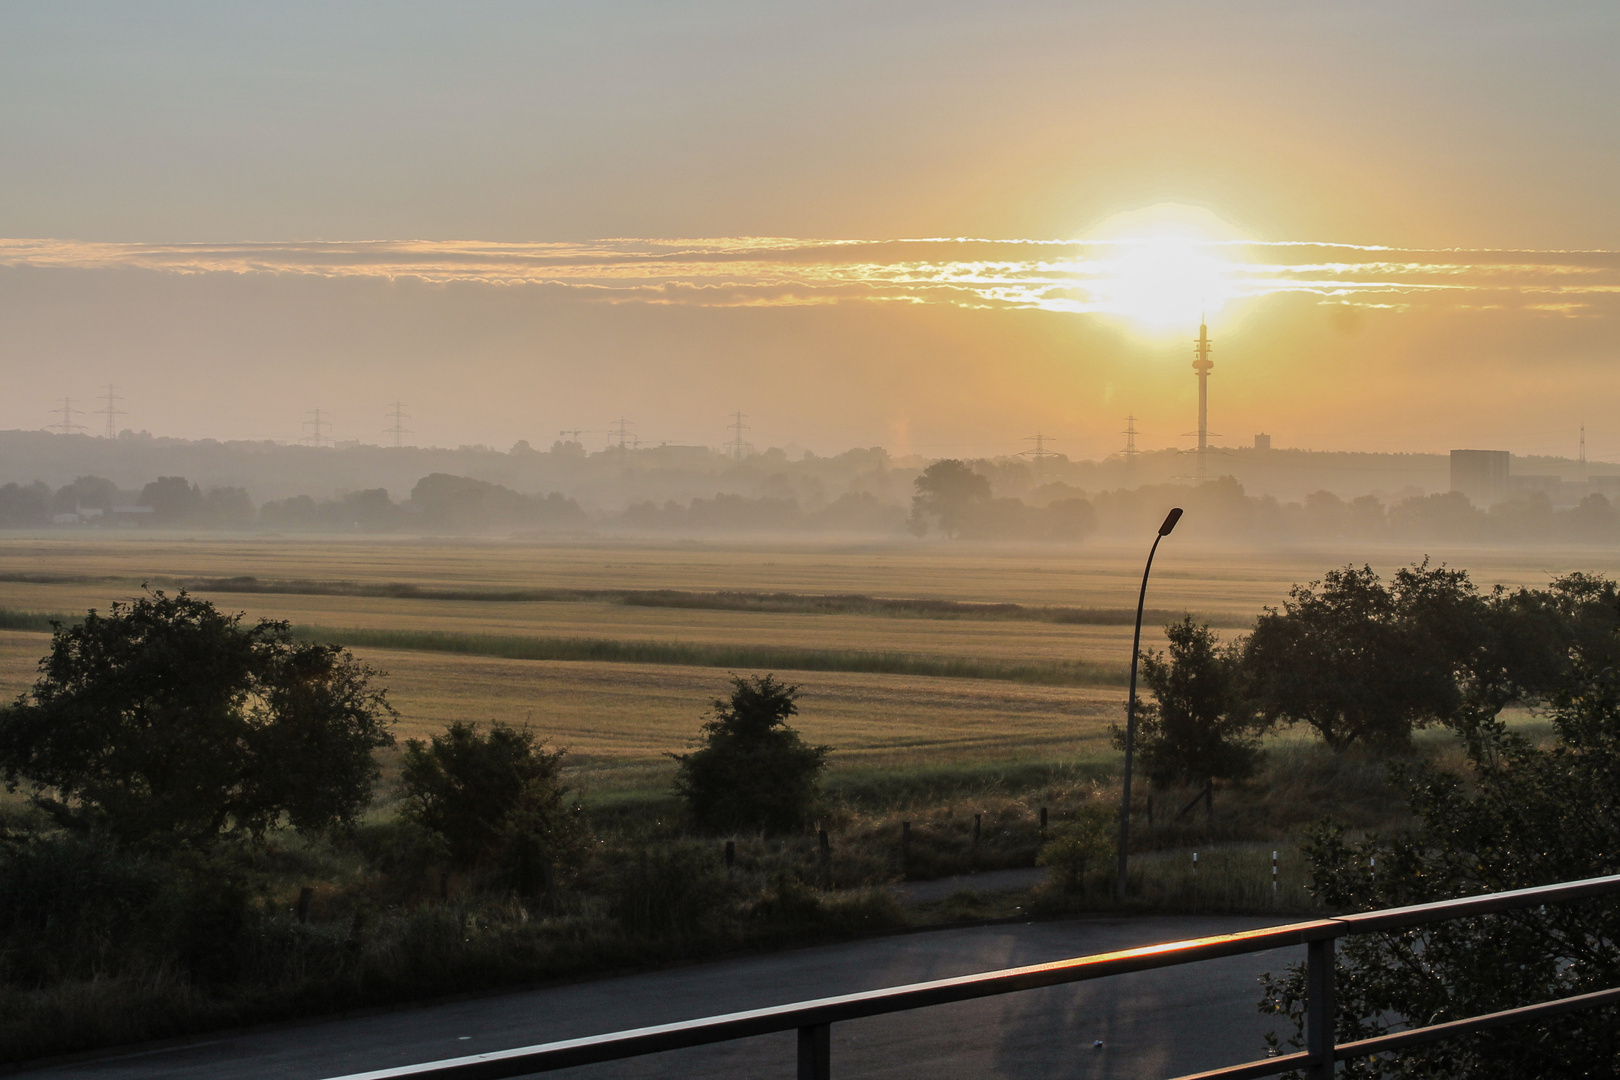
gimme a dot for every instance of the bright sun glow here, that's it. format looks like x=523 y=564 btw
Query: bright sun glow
x=1161 y=268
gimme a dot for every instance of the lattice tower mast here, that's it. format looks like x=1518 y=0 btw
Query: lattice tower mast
x=112 y=412
x=398 y=430
x=67 y=412
x=736 y=446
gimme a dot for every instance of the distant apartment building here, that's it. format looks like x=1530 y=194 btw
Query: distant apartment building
x=1482 y=475
x=1262 y=441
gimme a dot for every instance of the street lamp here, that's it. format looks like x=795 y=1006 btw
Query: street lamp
x=1170 y=520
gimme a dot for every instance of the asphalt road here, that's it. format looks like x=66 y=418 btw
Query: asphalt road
x=1152 y=1024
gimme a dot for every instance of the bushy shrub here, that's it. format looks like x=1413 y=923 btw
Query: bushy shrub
x=1078 y=847
x=497 y=799
x=752 y=770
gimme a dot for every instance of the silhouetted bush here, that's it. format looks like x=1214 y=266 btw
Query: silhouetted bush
x=497 y=799
x=752 y=770
x=168 y=722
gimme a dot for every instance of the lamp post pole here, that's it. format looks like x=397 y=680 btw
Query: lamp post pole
x=1130 y=708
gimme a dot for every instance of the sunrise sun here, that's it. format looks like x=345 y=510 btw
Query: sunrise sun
x=1161 y=268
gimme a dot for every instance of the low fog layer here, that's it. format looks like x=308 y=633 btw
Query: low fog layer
x=1254 y=495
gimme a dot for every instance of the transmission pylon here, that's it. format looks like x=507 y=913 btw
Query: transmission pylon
x=398 y=430
x=736 y=447
x=317 y=436
x=111 y=411
x=621 y=428
x=1039 y=454
x=66 y=426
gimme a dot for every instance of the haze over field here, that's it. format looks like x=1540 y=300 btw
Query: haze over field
x=935 y=229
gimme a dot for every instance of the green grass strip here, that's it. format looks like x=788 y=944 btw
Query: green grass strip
x=723 y=600
x=787 y=658
x=33 y=620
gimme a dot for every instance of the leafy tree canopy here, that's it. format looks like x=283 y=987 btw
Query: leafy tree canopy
x=752 y=771
x=1365 y=662
x=1523 y=815
x=948 y=494
x=1200 y=726
x=168 y=721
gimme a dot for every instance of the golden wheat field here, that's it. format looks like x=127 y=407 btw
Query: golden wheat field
x=620 y=719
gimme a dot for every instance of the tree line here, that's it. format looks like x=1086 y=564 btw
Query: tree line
x=951 y=499
x=1364 y=663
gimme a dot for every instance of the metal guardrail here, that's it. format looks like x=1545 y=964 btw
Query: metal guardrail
x=814 y=1019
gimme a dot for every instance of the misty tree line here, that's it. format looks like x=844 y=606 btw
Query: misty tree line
x=951 y=499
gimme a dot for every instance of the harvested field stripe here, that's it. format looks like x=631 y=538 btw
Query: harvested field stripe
x=683 y=654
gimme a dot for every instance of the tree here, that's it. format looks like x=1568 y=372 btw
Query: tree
x=1522 y=816
x=1200 y=728
x=1365 y=663
x=948 y=493
x=493 y=798
x=752 y=771
x=172 y=498
x=168 y=721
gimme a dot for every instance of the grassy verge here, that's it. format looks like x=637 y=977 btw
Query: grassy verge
x=155 y=950
x=773 y=657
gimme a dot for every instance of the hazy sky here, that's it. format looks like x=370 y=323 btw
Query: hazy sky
x=239 y=213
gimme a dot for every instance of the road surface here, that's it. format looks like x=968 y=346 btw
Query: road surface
x=1151 y=1024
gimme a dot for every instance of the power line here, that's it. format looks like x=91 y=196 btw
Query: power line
x=66 y=412
x=622 y=429
x=112 y=412
x=398 y=430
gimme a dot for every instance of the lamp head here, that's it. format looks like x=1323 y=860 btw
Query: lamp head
x=1170 y=520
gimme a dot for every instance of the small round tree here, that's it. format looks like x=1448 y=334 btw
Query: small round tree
x=751 y=770
x=495 y=798
x=168 y=721
x=1199 y=728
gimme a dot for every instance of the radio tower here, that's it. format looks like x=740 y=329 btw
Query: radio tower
x=67 y=426
x=112 y=412
x=736 y=446
x=1202 y=365
x=399 y=430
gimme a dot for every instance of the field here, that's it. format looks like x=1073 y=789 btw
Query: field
x=997 y=688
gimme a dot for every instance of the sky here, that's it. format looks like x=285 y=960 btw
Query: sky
x=936 y=227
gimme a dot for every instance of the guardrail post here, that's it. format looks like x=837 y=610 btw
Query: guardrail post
x=815 y=1052
x=1320 y=1030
